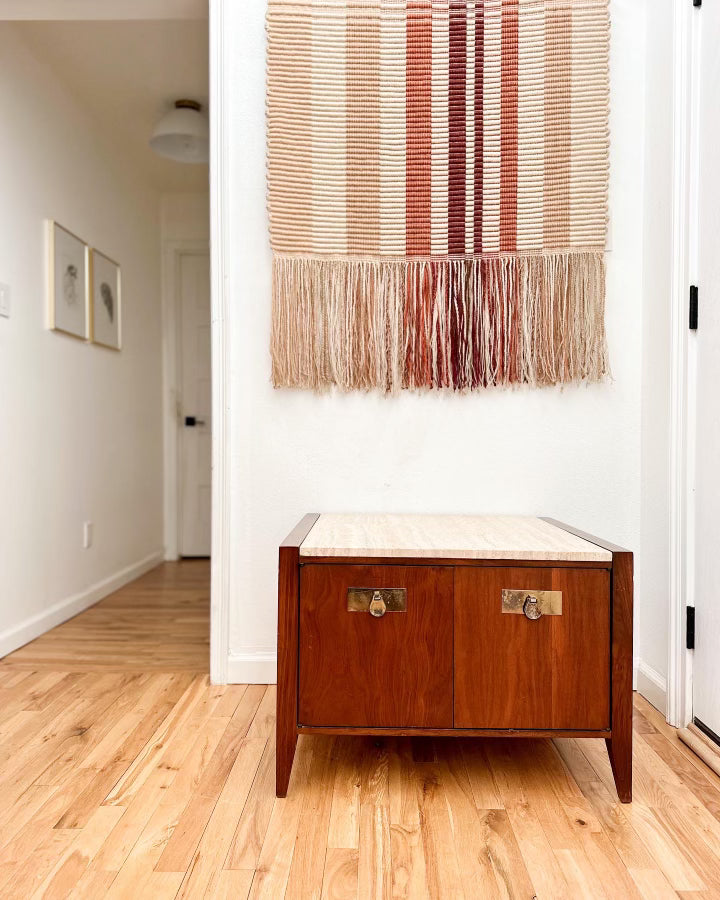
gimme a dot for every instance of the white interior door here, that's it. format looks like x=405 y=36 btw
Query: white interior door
x=195 y=404
x=706 y=664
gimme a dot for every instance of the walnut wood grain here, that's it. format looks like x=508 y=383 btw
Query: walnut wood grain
x=288 y=591
x=511 y=672
x=455 y=732
x=620 y=745
x=356 y=670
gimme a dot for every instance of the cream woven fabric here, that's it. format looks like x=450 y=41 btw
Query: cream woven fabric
x=438 y=178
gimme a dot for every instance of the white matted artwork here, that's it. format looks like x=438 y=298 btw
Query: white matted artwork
x=68 y=288
x=106 y=311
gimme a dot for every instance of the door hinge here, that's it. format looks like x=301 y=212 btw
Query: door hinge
x=693 y=308
x=690 y=627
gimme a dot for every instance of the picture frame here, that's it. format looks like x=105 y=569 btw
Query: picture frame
x=105 y=301
x=68 y=282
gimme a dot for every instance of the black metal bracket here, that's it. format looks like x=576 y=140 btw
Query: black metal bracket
x=690 y=627
x=693 y=308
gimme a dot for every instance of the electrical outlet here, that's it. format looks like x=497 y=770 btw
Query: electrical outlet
x=5 y=300
x=87 y=535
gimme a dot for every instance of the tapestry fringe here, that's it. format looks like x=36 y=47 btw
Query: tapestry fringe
x=459 y=323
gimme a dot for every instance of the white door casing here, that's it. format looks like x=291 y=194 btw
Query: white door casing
x=194 y=407
x=704 y=351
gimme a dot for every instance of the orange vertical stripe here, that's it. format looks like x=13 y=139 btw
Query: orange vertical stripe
x=419 y=128
x=556 y=213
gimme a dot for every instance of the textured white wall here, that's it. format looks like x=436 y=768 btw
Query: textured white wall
x=573 y=453
x=80 y=426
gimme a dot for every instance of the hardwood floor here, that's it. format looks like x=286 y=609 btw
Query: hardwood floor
x=124 y=773
x=161 y=622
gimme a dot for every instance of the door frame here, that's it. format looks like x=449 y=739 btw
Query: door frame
x=220 y=254
x=686 y=70
x=172 y=253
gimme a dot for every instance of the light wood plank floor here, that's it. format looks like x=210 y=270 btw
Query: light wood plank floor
x=124 y=773
x=161 y=621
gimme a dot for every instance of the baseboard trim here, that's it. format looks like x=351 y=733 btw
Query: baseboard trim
x=252 y=667
x=18 y=635
x=652 y=685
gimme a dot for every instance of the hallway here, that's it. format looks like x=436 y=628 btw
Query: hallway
x=159 y=622
x=124 y=773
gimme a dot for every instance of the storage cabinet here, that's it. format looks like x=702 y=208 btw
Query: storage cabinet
x=454 y=626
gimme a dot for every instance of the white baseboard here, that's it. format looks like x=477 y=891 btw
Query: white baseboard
x=18 y=635
x=252 y=667
x=651 y=684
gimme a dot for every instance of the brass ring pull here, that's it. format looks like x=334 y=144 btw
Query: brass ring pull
x=531 y=608
x=378 y=606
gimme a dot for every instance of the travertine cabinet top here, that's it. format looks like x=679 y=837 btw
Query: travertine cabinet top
x=449 y=537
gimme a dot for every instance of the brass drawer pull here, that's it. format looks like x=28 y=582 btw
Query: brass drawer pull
x=532 y=604
x=531 y=608
x=377 y=602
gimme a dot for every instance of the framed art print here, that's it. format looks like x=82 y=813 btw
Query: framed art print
x=105 y=302
x=68 y=283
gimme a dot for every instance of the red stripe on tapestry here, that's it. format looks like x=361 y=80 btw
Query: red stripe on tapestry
x=418 y=121
x=457 y=158
x=457 y=152
x=509 y=127
x=479 y=145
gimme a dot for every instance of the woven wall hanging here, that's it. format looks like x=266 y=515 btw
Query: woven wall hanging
x=438 y=177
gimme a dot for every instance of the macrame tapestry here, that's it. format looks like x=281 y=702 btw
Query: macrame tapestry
x=438 y=177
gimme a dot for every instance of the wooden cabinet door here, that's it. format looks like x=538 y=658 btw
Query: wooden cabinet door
x=357 y=670
x=513 y=672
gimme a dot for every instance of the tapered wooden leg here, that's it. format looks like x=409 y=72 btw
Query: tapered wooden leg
x=284 y=756
x=620 y=753
x=620 y=744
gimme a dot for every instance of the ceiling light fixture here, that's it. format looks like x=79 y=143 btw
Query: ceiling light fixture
x=182 y=134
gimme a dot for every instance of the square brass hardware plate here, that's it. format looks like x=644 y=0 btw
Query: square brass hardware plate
x=359 y=599
x=549 y=603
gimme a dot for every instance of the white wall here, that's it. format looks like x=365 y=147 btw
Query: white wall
x=80 y=426
x=574 y=454
x=653 y=602
x=185 y=216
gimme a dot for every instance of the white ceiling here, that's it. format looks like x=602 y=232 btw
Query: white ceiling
x=127 y=74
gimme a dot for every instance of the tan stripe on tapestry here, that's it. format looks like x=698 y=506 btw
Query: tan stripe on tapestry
x=440 y=89
x=558 y=34
x=392 y=127
x=589 y=128
x=531 y=123
x=289 y=163
x=491 y=127
x=363 y=129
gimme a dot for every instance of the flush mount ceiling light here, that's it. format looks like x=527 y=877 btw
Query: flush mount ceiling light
x=182 y=134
